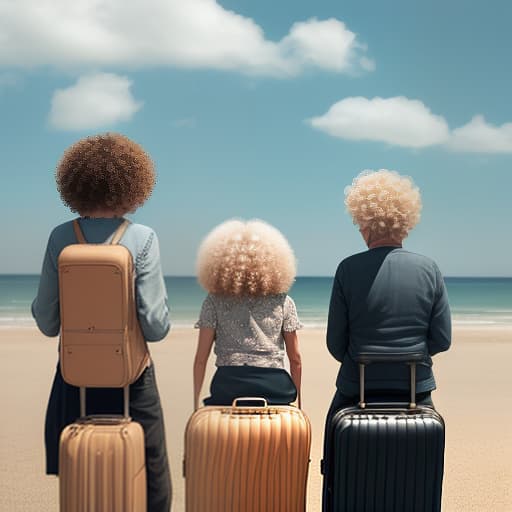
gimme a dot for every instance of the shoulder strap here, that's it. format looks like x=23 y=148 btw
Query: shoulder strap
x=119 y=232
x=78 y=232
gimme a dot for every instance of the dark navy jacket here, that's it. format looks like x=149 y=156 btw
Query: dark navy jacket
x=387 y=300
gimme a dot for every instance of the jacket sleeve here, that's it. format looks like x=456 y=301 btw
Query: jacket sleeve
x=152 y=309
x=337 y=322
x=439 y=333
x=45 y=307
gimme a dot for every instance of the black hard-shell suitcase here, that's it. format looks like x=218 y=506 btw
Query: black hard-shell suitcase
x=384 y=457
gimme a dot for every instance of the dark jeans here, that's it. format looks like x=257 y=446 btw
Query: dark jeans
x=230 y=382
x=64 y=408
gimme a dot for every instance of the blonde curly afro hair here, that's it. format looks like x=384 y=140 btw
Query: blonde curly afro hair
x=105 y=172
x=245 y=258
x=384 y=202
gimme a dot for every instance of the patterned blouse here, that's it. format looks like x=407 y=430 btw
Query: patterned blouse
x=249 y=330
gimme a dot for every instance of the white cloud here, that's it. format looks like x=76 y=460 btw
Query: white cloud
x=398 y=121
x=95 y=101
x=326 y=44
x=367 y=64
x=478 y=136
x=87 y=34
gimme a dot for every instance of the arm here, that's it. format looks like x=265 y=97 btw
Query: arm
x=292 y=350
x=152 y=309
x=337 y=322
x=45 y=308
x=439 y=334
x=290 y=325
x=204 y=347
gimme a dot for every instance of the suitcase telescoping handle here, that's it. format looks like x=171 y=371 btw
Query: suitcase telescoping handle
x=409 y=358
x=126 y=402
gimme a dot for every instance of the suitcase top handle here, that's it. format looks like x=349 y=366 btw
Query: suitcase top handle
x=260 y=402
x=409 y=358
x=391 y=357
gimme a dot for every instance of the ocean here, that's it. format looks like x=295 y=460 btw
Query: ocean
x=473 y=300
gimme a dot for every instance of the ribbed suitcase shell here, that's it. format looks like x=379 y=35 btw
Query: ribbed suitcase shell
x=101 y=341
x=243 y=459
x=385 y=461
x=102 y=466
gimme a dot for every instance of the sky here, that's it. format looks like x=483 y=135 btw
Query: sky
x=266 y=110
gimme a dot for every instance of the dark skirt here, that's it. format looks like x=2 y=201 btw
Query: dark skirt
x=64 y=408
x=230 y=382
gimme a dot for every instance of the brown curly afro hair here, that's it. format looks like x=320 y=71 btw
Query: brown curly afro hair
x=105 y=172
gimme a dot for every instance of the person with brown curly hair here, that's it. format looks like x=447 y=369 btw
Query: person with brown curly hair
x=247 y=269
x=102 y=178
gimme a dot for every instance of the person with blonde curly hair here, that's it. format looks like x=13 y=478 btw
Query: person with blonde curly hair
x=102 y=178
x=386 y=299
x=247 y=269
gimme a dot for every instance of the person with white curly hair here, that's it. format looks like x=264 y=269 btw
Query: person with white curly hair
x=247 y=269
x=386 y=299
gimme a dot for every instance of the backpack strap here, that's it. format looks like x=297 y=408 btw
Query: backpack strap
x=78 y=232
x=120 y=232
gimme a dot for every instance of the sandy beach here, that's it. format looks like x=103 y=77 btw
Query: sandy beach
x=474 y=395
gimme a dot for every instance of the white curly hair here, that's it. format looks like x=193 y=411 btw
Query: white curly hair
x=384 y=202
x=245 y=258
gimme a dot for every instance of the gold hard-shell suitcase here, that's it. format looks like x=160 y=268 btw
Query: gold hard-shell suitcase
x=102 y=464
x=247 y=458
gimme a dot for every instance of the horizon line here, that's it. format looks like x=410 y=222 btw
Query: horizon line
x=309 y=276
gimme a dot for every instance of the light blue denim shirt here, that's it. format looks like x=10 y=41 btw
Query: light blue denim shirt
x=150 y=292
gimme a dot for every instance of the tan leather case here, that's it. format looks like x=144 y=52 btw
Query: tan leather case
x=101 y=341
x=102 y=467
x=247 y=459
